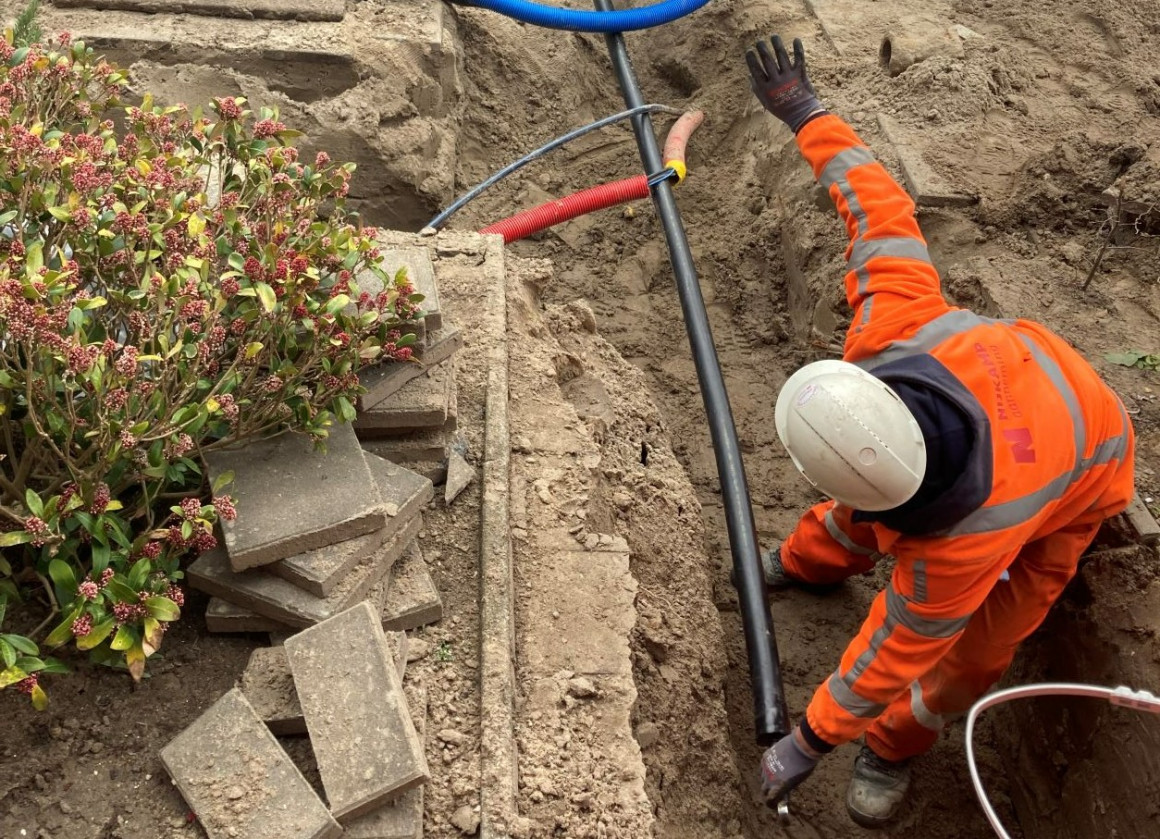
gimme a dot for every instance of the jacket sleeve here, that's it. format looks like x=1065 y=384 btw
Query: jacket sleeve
x=891 y=284
x=912 y=624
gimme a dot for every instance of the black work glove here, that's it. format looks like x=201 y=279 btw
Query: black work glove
x=786 y=764
x=783 y=88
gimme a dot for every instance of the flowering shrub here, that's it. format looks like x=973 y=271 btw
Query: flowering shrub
x=165 y=288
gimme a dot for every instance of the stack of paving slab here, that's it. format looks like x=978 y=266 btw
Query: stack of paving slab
x=341 y=683
x=316 y=533
x=409 y=413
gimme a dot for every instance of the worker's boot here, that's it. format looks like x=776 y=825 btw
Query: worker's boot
x=876 y=789
x=776 y=578
x=774 y=572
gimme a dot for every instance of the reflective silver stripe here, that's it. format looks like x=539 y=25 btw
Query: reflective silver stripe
x=840 y=165
x=930 y=335
x=852 y=702
x=903 y=247
x=839 y=536
x=842 y=686
x=920 y=581
x=876 y=642
x=1019 y=510
x=922 y=714
x=867 y=302
x=1049 y=366
x=897 y=606
x=854 y=205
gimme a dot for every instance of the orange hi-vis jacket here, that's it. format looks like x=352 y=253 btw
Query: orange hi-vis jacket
x=1053 y=445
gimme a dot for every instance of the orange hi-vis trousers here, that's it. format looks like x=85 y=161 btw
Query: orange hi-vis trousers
x=1011 y=611
x=1054 y=456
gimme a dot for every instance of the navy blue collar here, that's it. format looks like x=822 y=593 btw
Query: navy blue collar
x=958 y=434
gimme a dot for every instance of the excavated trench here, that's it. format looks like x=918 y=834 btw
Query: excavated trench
x=769 y=252
x=427 y=123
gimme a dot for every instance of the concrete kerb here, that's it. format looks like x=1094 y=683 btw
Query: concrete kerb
x=499 y=782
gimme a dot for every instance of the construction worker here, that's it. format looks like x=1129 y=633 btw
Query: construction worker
x=981 y=454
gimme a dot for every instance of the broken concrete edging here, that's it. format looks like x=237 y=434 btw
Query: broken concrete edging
x=499 y=781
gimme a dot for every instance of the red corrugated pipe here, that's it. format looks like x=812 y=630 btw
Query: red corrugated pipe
x=600 y=197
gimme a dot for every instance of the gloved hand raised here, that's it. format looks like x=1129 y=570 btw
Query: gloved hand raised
x=786 y=764
x=783 y=88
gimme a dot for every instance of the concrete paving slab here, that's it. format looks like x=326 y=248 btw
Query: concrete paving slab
x=292 y=499
x=1141 y=521
x=222 y=616
x=421 y=273
x=926 y=187
x=230 y=617
x=427 y=444
x=439 y=345
x=238 y=780
x=269 y=685
x=364 y=741
x=403 y=493
x=402 y=818
x=265 y=594
x=300 y=10
x=385 y=380
x=423 y=402
x=413 y=600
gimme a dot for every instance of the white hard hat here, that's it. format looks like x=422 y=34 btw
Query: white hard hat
x=851 y=435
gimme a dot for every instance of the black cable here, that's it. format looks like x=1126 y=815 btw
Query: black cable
x=771 y=717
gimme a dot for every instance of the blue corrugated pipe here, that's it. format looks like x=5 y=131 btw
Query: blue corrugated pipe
x=623 y=20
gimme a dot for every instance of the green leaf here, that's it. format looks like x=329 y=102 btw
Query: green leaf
x=60 y=213
x=51 y=665
x=7 y=653
x=101 y=553
x=91 y=303
x=25 y=645
x=346 y=411
x=252 y=349
x=336 y=304
x=121 y=592
x=162 y=608
x=100 y=632
x=34 y=259
x=30 y=664
x=221 y=481
x=236 y=261
x=15 y=537
x=124 y=639
x=63 y=629
x=33 y=503
x=139 y=573
x=1125 y=359
x=66 y=580
x=11 y=675
x=267 y=296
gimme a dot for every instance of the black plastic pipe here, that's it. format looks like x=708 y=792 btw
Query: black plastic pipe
x=771 y=718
